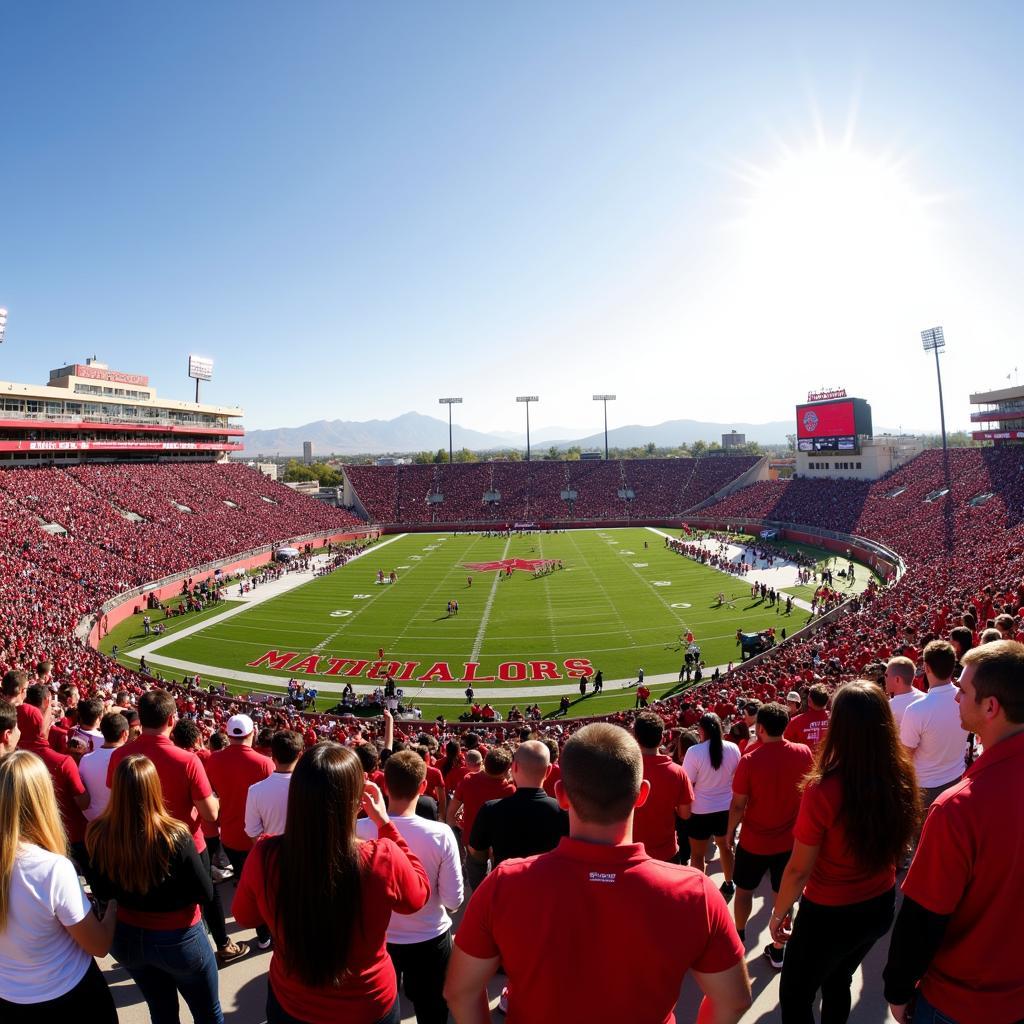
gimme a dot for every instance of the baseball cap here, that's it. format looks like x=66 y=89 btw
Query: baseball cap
x=240 y=725
x=793 y=696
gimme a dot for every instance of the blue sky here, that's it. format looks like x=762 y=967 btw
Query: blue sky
x=355 y=209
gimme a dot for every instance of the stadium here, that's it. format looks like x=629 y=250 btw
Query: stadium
x=486 y=596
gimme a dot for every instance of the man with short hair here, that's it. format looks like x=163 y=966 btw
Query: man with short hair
x=520 y=825
x=810 y=727
x=952 y=946
x=475 y=790
x=899 y=685
x=765 y=800
x=610 y=911
x=187 y=794
x=231 y=772
x=931 y=728
x=9 y=731
x=93 y=766
x=87 y=728
x=420 y=944
x=670 y=796
x=266 y=806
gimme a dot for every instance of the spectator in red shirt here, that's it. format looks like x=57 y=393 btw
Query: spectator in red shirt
x=766 y=798
x=328 y=898
x=475 y=790
x=9 y=731
x=810 y=727
x=231 y=772
x=611 y=912
x=858 y=812
x=962 y=896
x=670 y=796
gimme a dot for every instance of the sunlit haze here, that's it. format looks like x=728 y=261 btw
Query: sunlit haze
x=356 y=209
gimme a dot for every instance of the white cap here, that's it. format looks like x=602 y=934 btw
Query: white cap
x=240 y=726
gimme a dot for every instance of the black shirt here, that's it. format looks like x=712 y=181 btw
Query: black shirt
x=521 y=825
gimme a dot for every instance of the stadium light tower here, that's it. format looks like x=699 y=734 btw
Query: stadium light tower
x=606 y=399
x=3 y=323
x=527 y=399
x=934 y=340
x=450 y=402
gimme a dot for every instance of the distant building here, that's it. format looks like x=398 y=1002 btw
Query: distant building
x=874 y=457
x=271 y=469
x=307 y=452
x=1002 y=417
x=733 y=440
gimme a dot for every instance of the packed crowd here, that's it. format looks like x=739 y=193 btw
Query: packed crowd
x=533 y=491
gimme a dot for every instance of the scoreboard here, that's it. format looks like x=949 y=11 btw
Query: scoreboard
x=833 y=426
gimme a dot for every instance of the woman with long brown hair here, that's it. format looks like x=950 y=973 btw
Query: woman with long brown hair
x=327 y=897
x=148 y=862
x=48 y=932
x=858 y=813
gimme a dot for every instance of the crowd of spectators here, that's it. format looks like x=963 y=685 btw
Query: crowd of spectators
x=533 y=491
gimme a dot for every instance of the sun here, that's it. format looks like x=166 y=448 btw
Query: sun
x=829 y=229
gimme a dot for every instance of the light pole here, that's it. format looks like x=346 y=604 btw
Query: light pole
x=606 y=399
x=935 y=341
x=450 y=402
x=527 y=399
x=3 y=324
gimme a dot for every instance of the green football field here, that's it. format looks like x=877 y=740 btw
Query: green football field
x=621 y=603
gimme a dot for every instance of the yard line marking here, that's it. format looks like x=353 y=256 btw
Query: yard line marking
x=485 y=618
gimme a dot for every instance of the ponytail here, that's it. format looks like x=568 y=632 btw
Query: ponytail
x=711 y=724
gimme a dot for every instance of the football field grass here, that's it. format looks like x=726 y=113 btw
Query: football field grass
x=621 y=603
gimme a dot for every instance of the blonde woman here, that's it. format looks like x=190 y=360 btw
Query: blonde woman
x=148 y=862
x=48 y=933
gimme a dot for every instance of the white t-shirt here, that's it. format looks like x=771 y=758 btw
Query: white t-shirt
x=266 y=805
x=93 y=769
x=38 y=958
x=712 y=788
x=434 y=844
x=901 y=701
x=931 y=728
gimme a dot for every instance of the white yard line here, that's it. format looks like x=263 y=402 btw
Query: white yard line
x=486 y=617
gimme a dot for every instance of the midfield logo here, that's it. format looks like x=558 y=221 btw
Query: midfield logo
x=526 y=564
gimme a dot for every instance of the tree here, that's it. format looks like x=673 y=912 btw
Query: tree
x=423 y=458
x=573 y=454
x=650 y=448
x=441 y=456
x=698 y=448
x=791 y=442
x=465 y=455
x=553 y=455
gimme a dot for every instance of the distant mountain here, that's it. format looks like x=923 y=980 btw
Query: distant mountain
x=413 y=432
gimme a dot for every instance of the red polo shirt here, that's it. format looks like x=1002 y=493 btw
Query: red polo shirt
x=969 y=864
x=630 y=925
x=231 y=772
x=808 y=728
x=837 y=879
x=474 y=791
x=182 y=778
x=769 y=776
x=654 y=824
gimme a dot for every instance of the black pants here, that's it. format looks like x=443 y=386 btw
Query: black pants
x=238 y=859
x=90 y=1000
x=421 y=967
x=213 y=912
x=828 y=945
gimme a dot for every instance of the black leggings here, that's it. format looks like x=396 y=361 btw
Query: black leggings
x=827 y=947
x=89 y=1000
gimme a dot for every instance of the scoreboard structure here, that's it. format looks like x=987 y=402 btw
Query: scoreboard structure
x=834 y=425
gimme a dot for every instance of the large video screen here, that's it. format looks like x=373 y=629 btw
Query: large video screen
x=825 y=419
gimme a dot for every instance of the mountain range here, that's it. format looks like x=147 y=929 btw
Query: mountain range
x=412 y=432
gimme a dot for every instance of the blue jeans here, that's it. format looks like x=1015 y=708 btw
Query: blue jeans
x=164 y=963
x=924 y=1013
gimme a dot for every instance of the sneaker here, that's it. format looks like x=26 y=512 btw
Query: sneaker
x=774 y=956
x=503 y=1000
x=219 y=874
x=727 y=889
x=264 y=943
x=231 y=952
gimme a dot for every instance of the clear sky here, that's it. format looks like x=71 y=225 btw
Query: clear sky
x=357 y=208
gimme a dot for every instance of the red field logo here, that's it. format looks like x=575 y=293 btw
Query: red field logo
x=504 y=564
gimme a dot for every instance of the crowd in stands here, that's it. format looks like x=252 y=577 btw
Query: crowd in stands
x=533 y=491
x=964 y=582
